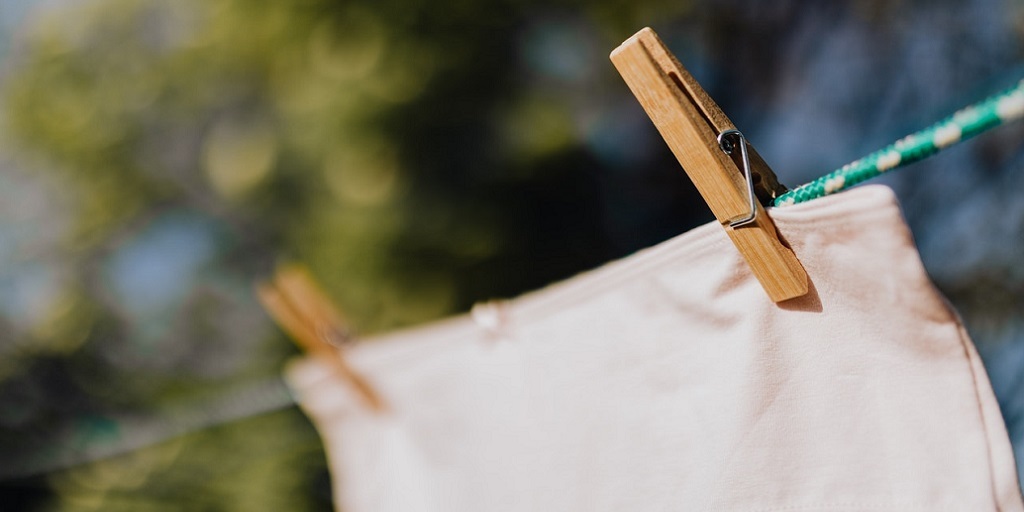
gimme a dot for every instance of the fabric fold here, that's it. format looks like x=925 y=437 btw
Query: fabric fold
x=668 y=381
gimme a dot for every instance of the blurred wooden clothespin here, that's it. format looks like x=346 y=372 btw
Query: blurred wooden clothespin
x=304 y=312
x=729 y=174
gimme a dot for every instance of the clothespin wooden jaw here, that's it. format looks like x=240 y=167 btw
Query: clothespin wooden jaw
x=303 y=310
x=699 y=134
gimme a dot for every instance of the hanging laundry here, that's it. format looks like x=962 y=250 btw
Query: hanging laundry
x=669 y=381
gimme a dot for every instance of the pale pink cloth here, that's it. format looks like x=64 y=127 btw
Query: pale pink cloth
x=669 y=381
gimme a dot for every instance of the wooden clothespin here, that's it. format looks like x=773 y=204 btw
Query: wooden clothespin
x=729 y=174
x=301 y=308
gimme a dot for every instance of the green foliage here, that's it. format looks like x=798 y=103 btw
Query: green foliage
x=236 y=467
x=395 y=147
x=160 y=156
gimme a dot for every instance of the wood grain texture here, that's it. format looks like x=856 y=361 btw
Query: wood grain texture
x=690 y=121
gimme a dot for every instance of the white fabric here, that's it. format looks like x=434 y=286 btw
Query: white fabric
x=669 y=381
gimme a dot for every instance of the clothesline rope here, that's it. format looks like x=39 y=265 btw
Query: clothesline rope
x=96 y=438
x=994 y=111
x=267 y=396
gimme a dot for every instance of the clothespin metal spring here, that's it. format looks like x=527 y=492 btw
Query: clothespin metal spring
x=728 y=146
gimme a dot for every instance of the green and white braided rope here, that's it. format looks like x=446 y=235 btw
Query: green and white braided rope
x=989 y=113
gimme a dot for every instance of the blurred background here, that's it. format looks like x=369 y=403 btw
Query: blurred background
x=157 y=157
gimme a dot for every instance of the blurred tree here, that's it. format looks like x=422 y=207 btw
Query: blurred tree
x=397 y=147
x=419 y=156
